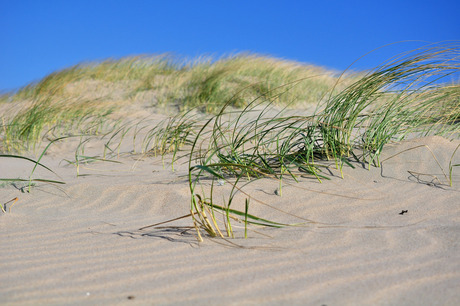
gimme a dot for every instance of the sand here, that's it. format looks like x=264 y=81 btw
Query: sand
x=80 y=243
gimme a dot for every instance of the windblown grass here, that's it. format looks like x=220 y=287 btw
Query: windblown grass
x=45 y=118
x=399 y=99
x=205 y=83
x=209 y=85
x=243 y=135
x=94 y=90
x=110 y=71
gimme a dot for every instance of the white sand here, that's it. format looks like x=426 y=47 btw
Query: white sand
x=80 y=243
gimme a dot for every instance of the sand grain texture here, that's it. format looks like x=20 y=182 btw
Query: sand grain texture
x=80 y=243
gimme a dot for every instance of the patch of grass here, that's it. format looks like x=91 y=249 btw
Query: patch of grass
x=171 y=135
x=209 y=84
x=80 y=94
x=42 y=118
x=139 y=68
x=399 y=99
x=206 y=83
x=244 y=136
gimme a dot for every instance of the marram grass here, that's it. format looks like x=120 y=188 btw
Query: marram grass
x=401 y=98
x=94 y=90
x=242 y=135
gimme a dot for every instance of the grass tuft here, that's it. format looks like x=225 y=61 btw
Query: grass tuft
x=399 y=99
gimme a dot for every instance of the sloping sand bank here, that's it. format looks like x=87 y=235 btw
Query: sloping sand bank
x=80 y=243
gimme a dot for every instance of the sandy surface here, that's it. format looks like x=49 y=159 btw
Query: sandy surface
x=80 y=243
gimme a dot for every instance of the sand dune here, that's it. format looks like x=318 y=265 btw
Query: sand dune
x=80 y=243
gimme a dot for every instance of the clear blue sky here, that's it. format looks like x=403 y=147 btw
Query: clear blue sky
x=39 y=37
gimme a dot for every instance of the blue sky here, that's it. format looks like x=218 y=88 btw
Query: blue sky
x=39 y=37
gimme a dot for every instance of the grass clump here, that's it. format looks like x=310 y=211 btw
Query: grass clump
x=46 y=118
x=401 y=98
x=242 y=78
